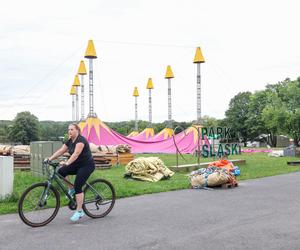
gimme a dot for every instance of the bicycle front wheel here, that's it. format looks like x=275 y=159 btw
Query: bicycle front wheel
x=39 y=205
x=99 y=198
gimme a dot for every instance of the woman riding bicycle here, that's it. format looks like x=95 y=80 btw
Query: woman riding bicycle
x=80 y=163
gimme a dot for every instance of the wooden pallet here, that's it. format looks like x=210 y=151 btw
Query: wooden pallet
x=293 y=163
x=115 y=159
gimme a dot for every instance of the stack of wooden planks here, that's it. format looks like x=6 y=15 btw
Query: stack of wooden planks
x=113 y=158
x=101 y=161
x=22 y=161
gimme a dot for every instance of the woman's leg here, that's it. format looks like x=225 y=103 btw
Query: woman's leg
x=82 y=175
x=79 y=201
x=68 y=170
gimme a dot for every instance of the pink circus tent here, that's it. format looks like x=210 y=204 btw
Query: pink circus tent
x=145 y=135
x=164 y=134
x=99 y=133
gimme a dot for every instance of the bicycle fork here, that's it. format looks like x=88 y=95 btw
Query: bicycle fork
x=43 y=199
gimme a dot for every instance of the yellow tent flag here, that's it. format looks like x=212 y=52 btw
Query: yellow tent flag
x=81 y=69
x=90 y=50
x=198 y=56
x=76 y=82
x=73 y=91
x=169 y=73
x=149 y=84
x=135 y=91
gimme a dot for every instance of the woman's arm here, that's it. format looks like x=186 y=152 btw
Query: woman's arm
x=59 y=152
x=78 y=149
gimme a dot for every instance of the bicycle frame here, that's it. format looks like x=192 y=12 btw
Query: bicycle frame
x=54 y=176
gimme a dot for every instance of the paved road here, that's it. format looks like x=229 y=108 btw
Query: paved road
x=259 y=214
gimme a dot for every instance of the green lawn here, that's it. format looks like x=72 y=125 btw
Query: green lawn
x=257 y=165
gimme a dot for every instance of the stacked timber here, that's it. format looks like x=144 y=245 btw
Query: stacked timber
x=113 y=158
x=101 y=162
x=22 y=161
x=21 y=155
x=124 y=158
x=114 y=154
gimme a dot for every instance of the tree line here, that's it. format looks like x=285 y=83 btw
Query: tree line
x=269 y=112
x=272 y=112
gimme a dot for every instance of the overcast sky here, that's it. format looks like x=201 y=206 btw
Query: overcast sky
x=246 y=44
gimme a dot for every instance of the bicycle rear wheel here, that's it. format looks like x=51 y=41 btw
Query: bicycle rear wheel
x=99 y=198
x=37 y=206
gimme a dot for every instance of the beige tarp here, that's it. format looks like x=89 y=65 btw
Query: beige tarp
x=147 y=169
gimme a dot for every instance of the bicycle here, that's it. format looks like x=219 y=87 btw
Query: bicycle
x=39 y=203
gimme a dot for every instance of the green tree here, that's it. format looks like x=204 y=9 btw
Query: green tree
x=255 y=122
x=237 y=114
x=25 y=128
x=4 y=124
x=51 y=130
x=274 y=117
x=288 y=92
x=209 y=121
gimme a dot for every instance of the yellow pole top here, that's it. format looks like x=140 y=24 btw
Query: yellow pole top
x=81 y=69
x=73 y=91
x=169 y=73
x=90 y=50
x=150 y=84
x=198 y=56
x=76 y=82
x=135 y=91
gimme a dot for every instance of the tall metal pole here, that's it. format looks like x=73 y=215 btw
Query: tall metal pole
x=73 y=108
x=91 y=54
x=77 y=105
x=169 y=104
x=169 y=75
x=91 y=90
x=82 y=97
x=73 y=93
x=82 y=71
x=76 y=84
x=198 y=94
x=198 y=59
x=136 y=94
x=136 y=128
x=150 y=87
x=150 y=109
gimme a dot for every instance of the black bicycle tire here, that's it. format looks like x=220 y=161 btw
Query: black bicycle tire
x=112 y=203
x=21 y=200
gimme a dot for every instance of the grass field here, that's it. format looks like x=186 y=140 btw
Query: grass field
x=257 y=165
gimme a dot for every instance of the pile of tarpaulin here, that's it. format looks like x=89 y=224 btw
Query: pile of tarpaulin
x=217 y=173
x=147 y=169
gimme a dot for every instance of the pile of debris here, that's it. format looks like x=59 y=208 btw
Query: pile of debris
x=218 y=173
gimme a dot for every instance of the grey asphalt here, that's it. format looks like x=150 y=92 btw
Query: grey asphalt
x=259 y=214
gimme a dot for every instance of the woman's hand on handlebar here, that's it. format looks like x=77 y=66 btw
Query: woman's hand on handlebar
x=46 y=161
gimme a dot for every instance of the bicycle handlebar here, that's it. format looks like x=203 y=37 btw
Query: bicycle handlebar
x=46 y=166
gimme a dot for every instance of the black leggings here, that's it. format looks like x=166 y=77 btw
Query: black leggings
x=82 y=174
